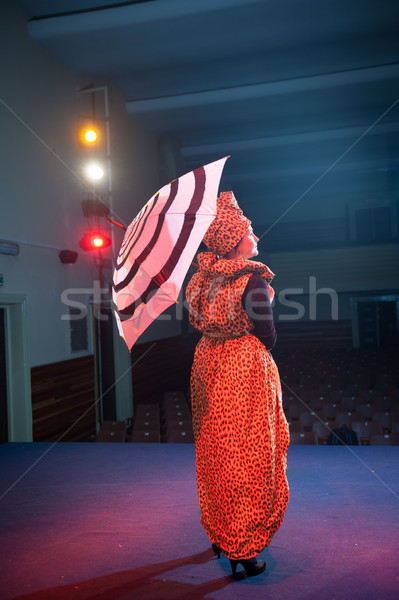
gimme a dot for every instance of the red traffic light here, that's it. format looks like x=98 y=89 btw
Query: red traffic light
x=94 y=240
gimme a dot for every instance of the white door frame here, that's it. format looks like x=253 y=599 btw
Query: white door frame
x=19 y=397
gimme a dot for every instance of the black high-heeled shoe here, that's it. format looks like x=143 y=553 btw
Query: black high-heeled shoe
x=216 y=549
x=252 y=566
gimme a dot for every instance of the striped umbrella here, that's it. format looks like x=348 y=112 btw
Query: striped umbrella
x=159 y=246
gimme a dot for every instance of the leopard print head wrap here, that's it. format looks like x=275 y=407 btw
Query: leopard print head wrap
x=228 y=227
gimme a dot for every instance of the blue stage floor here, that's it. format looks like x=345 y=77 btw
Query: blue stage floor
x=121 y=521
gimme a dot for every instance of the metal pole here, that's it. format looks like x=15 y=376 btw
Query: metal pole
x=109 y=169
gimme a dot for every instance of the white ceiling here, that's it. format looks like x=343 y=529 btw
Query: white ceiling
x=285 y=87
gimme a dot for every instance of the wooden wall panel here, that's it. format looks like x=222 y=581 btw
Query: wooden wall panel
x=63 y=401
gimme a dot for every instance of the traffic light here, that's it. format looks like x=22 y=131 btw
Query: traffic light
x=94 y=240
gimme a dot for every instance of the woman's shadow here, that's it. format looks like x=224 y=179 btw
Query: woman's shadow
x=146 y=583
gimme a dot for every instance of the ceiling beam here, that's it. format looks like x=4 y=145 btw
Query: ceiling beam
x=139 y=13
x=263 y=90
x=286 y=140
x=264 y=173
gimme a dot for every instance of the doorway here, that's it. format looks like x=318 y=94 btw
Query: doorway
x=3 y=381
x=16 y=415
x=375 y=321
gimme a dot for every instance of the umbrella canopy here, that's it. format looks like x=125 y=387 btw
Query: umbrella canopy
x=158 y=248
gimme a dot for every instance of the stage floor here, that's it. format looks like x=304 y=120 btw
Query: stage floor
x=121 y=521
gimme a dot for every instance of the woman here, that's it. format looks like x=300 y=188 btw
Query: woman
x=241 y=434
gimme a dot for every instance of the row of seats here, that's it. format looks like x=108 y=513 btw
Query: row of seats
x=348 y=380
x=369 y=367
x=311 y=437
x=348 y=408
x=320 y=416
x=315 y=395
x=176 y=420
x=168 y=421
x=112 y=431
x=323 y=390
x=178 y=429
x=322 y=429
x=328 y=389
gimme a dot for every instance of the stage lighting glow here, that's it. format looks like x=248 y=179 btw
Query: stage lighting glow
x=98 y=242
x=94 y=172
x=94 y=240
x=90 y=135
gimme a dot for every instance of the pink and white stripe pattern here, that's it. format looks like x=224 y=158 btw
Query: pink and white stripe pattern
x=159 y=246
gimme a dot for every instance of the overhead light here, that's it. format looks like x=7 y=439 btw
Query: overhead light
x=88 y=135
x=9 y=248
x=94 y=239
x=94 y=171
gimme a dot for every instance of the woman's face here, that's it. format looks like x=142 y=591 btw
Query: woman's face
x=247 y=247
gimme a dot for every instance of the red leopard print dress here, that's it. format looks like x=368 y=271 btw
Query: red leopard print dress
x=241 y=433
